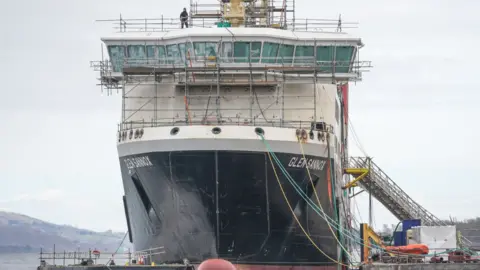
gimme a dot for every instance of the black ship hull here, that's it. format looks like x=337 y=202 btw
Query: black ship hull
x=227 y=204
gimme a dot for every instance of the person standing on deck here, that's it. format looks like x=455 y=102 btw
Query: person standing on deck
x=184 y=18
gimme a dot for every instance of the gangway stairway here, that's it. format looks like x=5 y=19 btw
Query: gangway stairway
x=388 y=193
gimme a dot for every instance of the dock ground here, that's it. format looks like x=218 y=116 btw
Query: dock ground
x=116 y=267
x=424 y=266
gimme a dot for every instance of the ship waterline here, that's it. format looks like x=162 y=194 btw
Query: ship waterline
x=227 y=204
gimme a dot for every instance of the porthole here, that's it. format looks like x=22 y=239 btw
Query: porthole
x=174 y=131
x=216 y=130
x=259 y=131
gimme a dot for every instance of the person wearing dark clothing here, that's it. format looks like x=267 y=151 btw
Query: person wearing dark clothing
x=184 y=18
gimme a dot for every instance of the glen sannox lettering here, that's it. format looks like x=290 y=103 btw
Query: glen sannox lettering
x=138 y=162
x=310 y=163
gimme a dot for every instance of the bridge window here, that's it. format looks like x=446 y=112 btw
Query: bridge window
x=173 y=54
x=245 y=51
x=136 y=51
x=117 y=56
x=227 y=52
x=205 y=49
x=285 y=54
x=343 y=58
x=304 y=54
x=136 y=54
x=181 y=49
x=269 y=52
x=325 y=58
x=184 y=48
x=155 y=54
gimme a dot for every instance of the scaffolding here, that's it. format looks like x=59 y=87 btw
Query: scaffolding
x=278 y=14
x=249 y=13
x=261 y=91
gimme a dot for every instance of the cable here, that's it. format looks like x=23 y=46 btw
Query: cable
x=298 y=189
x=394 y=230
x=318 y=200
x=315 y=208
x=324 y=215
x=295 y=216
x=116 y=251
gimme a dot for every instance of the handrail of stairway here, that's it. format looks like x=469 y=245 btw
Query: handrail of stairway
x=382 y=177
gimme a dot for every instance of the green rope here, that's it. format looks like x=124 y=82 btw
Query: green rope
x=393 y=234
x=319 y=211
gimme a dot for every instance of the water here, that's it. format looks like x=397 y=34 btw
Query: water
x=29 y=261
x=19 y=261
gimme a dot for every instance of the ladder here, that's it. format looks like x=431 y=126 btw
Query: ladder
x=388 y=193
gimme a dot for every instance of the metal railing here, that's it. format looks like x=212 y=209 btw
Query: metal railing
x=112 y=74
x=96 y=257
x=258 y=64
x=67 y=257
x=180 y=62
x=163 y=122
x=393 y=197
x=107 y=67
x=165 y=24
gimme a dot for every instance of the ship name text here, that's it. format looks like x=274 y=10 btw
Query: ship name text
x=310 y=163
x=138 y=162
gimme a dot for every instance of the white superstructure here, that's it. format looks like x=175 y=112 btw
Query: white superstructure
x=235 y=77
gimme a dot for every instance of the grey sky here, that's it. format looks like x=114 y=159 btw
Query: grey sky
x=414 y=112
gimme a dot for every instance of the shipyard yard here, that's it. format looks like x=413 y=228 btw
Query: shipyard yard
x=236 y=150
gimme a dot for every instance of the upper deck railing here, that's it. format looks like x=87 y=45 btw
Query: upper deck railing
x=164 y=24
x=205 y=64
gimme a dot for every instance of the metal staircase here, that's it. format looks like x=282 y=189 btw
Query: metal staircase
x=388 y=193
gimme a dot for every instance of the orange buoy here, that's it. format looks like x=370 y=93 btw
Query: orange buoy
x=216 y=264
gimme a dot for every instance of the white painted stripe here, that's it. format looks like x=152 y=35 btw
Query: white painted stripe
x=231 y=138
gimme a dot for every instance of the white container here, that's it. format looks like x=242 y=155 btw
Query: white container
x=437 y=238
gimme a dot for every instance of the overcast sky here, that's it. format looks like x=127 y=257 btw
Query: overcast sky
x=414 y=112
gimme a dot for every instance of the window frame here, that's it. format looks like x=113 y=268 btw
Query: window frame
x=270 y=61
x=117 y=64
x=205 y=56
x=255 y=59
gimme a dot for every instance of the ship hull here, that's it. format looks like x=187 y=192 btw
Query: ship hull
x=228 y=204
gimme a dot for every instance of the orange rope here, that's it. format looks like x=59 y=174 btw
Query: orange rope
x=188 y=111
x=190 y=60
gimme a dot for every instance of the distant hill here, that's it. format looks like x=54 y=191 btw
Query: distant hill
x=20 y=233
